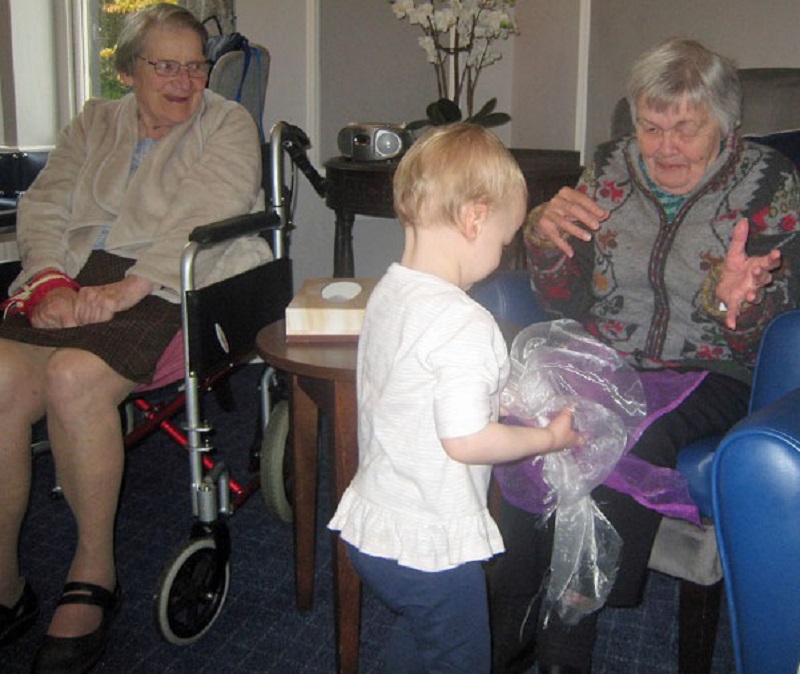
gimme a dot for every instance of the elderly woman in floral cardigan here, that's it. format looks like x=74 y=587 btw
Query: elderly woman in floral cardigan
x=677 y=248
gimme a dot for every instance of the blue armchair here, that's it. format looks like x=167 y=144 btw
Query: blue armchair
x=756 y=501
x=758 y=545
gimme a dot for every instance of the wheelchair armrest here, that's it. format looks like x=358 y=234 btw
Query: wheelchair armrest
x=8 y=221
x=233 y=228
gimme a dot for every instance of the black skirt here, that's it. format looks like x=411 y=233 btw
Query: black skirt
x=131 y=342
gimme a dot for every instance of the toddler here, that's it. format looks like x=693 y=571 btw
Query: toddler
x=431 y=364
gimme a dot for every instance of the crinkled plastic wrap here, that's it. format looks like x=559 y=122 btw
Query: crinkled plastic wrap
x=556 y=365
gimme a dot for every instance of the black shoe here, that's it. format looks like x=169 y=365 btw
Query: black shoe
x=15 y=621
x=77 y=655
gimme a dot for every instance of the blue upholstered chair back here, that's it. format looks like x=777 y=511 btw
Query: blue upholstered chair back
x=756 y=495
x=778 y=367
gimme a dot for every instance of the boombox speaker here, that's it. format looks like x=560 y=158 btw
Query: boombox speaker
x=373 y=142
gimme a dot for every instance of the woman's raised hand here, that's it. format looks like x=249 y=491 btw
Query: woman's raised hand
x=568 y=213
x=744 y=278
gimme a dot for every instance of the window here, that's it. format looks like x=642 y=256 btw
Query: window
x=66 y=48
x=101 y=28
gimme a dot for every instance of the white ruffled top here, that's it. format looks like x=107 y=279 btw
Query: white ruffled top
x=431 y=363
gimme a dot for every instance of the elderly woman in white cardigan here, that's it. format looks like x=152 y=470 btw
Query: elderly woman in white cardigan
x=100 y=235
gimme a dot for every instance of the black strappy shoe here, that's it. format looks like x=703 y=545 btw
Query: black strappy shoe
x=15 y=621
x=77 y=655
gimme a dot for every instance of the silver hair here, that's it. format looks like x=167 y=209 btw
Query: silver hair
x=136 y=26
x=678 y=67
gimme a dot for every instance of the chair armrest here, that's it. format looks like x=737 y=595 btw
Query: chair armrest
x=233 y=228
x=777 y=369
x=756 y=490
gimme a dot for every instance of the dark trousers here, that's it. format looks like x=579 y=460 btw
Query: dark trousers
x=518 y=576
x=441 y=618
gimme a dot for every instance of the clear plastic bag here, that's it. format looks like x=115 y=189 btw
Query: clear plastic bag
x=556 y=365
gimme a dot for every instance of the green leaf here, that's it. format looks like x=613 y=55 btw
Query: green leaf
x=493 y=119
x=445 y=111
x=487 y=108
x=449 y=110
x=435 y=115
x=418 y=124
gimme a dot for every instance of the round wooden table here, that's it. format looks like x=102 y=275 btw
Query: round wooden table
x=321 y=379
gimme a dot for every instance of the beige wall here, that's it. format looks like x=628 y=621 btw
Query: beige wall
x=335 y=62
x=545 y=70
x=289 y=29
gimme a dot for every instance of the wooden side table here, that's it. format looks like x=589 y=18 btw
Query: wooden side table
x=365 y=188
x=356 y=188
x=322 y=379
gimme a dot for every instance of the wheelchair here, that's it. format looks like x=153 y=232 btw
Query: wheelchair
x=219 y=327
x=218 y=332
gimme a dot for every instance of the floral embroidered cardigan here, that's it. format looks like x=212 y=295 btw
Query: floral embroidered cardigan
x=645 y=285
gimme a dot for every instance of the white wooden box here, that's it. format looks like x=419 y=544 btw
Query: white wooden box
x=328 y=309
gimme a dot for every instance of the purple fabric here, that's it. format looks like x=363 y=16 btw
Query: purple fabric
x=662 y=489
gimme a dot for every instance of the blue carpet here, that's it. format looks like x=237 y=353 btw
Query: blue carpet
x=259 y=628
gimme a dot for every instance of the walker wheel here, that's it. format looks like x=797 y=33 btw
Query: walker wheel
x=274 y=465
x=192 y=592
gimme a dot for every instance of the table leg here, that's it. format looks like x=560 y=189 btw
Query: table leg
x=303 y=434
x=347 y=586
x=343 y=265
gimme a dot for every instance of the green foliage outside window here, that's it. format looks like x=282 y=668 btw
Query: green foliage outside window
x=112 y=16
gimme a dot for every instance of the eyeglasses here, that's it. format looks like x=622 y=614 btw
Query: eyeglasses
x=198 y=69
x=683 y=132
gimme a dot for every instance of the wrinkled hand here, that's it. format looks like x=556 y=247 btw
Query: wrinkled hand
x=569 y=213
x=55 y=310
x=743 y=278
x=97 y=304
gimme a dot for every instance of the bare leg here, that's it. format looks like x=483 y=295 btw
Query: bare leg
x=21 y=404
x=83 y=394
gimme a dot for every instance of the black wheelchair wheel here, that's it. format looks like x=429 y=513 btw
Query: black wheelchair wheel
x=192 y=592
x=274 y=463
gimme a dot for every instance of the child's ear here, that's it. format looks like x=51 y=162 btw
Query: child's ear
x=473 y=219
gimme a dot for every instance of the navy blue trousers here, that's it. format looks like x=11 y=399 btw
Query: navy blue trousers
x=441 y=618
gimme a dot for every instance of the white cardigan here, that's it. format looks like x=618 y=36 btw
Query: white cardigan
x=204 y=170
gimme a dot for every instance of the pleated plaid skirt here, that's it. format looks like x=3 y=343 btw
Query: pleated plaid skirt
x=131 y=342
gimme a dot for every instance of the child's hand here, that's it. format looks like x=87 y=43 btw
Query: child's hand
x=562 y=433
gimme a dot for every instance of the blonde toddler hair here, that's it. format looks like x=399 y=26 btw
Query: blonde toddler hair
x=450 y=167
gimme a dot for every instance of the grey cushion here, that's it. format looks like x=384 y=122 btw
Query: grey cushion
x=785 y=142
x=771 y=100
